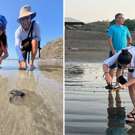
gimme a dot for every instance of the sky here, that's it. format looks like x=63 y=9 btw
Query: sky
x=49 y=16
x=95 y=10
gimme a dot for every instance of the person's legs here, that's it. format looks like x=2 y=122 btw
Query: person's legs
x=132 y=90
x=119 y=72
x=131 y=115
x=132 y=95
x=34 y=44
x=112 y=71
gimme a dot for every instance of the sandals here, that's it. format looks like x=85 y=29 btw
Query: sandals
x=131 y=115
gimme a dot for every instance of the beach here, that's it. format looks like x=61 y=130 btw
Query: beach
x=90 y=109
x=40 y=111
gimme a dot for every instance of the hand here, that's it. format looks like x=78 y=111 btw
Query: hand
x=108 y=78
x=113 y=51
x=124 y=86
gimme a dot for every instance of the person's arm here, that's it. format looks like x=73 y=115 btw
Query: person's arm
x=37 y=32
x=129 y=37
x=17 y=46
x=129 y=41
x=19 y=53
x=107 y=76
x=110 y=43
x=5 y=52
x=129 y=83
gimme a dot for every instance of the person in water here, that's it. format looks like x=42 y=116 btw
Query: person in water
x=119 y=37
x=27 y=37
x=125 y=59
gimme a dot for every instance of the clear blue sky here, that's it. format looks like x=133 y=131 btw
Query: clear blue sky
x=49 y=16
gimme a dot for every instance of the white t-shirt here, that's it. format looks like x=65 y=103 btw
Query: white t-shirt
x=110 y=61
x=20 y=35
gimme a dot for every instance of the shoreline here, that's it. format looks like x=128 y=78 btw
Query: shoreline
x=86 y=56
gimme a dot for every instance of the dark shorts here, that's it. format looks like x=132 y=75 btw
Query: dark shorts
x=26 y=54
x=114 y=65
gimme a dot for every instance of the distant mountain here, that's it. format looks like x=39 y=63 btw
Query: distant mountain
x=70 y=19
x=99 y=26
x=73 y=24
x=52 y=53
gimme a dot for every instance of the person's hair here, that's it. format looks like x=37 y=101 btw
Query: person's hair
x=3 y=39
x=117 y=15
x=124 y=57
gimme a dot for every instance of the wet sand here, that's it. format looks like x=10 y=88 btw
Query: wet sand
x=40 y=111
x=90 y=108
x=85 y=56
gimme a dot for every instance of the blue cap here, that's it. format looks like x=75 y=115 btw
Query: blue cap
x=3 y=21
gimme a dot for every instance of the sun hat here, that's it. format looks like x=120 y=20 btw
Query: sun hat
x=3 y=22
x=26 y=11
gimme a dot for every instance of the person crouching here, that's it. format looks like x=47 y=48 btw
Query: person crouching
x=27 y=37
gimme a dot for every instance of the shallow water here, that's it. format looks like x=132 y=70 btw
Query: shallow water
x=90 y=109
x=40 y=111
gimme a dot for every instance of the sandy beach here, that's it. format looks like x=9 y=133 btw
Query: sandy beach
x=40 y=111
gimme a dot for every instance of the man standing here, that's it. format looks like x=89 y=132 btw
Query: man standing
x=27 y=37
x=119 y=37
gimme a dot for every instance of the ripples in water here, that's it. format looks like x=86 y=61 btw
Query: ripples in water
x=90 y=109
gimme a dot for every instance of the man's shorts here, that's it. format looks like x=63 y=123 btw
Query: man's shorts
x=115 y=65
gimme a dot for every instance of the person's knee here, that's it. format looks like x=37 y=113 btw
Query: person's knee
x=34 y=42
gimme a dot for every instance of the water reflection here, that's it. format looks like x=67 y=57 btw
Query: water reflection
x=116 y=115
